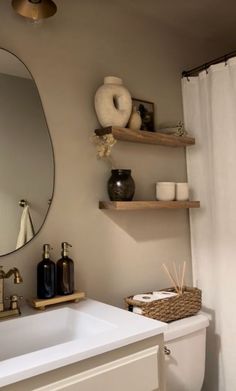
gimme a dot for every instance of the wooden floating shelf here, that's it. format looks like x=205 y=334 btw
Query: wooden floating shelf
x=144 y=205
x=142 y=136
x=41 y=304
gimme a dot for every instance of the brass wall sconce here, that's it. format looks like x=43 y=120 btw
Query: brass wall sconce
x=35 y=10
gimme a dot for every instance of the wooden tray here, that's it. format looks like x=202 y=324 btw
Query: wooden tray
x=41 y=304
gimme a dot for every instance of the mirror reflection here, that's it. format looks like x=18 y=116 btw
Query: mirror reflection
x=26 y=156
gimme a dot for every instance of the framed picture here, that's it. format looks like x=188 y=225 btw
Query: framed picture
x=146 y=110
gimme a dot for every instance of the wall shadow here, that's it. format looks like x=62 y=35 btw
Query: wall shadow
x=150 y=225
x=211 y=382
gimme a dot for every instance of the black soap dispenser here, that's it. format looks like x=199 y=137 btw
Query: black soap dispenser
x=46 y=281
x=65 y=272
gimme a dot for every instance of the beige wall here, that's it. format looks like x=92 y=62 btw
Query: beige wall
x=115 y=254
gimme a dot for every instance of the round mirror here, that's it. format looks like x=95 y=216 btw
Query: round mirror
x=26 y=156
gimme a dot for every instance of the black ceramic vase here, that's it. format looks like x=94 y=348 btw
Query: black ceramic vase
x=121 y=185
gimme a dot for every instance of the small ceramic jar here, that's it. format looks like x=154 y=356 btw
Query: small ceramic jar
x=165 y=191
x=182 y=192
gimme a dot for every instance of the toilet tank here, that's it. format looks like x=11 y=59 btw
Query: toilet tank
x=185 y=365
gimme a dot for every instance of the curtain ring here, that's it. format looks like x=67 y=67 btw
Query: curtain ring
x=185 y=74
x=206 y=69
x=226 y=61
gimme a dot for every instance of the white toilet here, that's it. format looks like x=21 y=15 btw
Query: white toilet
x=185 y=361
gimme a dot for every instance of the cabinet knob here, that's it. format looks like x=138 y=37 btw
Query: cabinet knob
x=167 y=351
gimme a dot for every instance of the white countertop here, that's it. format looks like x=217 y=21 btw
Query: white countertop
x=126 y=328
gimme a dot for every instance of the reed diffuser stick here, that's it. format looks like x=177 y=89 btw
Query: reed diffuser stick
x=183 y=275
x=171 y=278
x=176 y=275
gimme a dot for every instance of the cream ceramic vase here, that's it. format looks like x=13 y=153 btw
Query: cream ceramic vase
x=135 y=120
x=113 y=103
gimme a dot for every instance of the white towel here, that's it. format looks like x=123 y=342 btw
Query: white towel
x=26 y=228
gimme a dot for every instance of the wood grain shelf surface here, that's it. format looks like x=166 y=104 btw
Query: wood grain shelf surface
x=142 y=136
x=145 y=205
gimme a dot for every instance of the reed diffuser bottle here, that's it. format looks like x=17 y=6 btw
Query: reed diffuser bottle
x=65 y=272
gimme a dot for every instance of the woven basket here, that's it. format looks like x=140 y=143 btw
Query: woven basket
x=173 y=308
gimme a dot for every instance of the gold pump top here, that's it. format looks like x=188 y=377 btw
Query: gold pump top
x=46 y=251
x=65 y=249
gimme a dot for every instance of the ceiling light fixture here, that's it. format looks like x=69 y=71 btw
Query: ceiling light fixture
x=35 y=9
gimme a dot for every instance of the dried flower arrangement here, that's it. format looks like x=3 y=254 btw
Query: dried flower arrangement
x=180 y=131
x=104 y=145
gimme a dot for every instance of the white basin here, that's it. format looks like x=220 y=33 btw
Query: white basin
x=31 y=333
x=39 y=342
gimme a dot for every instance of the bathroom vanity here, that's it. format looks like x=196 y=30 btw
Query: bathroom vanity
x=85 y=346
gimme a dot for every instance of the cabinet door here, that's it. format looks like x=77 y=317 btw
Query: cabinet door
x=138 y=371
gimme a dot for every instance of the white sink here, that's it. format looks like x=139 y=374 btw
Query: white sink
x=39 y=342
x=31 y=333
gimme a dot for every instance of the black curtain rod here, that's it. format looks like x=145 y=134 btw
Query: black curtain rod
x=195 y=71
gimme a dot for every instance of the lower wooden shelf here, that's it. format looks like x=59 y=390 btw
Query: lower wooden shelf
x=142 y=205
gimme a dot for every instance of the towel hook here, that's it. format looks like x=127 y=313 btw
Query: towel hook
x=23 y=203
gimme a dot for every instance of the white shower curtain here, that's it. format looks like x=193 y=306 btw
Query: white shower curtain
x=210 y=115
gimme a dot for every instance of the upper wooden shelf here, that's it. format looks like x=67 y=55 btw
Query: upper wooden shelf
x=141 y=205
x=142 y=136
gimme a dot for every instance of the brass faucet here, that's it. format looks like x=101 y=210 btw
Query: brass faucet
x=14 y=308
